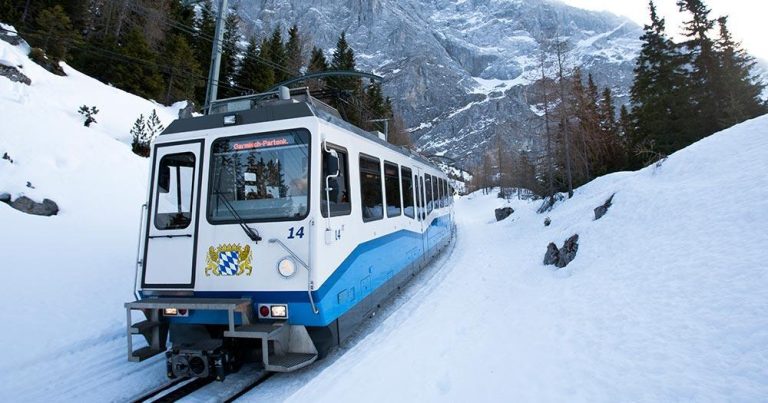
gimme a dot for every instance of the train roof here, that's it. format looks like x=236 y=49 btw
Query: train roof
x=261 y=108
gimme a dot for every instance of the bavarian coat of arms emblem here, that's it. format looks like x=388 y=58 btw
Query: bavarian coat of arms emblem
x=228 y=260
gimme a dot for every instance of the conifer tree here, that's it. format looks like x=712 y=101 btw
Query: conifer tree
x=205 y=28
x=142 y=79
x=227 y=68
x=182 y=71
x=344 y=60
x=293 y=50
x=277 y=55
x=57 y=34
x=702 y=76
x=738 y=92
x=659 y=93
x=317 y=64
x=607 y=114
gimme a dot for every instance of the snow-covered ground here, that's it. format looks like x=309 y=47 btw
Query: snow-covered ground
x=666 y=300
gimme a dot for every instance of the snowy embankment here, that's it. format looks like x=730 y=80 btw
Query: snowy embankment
x=64 y=278
x=665 y=301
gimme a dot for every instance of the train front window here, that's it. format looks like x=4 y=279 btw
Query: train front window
x=175 y=180
x=260 y=177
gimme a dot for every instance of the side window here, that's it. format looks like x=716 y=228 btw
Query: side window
x=430 y=199
x=370 y=189
x=338 y=187
x=392 y=187
x=407 y=181
x=175 y=180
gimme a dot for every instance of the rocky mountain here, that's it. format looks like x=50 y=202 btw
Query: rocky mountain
x=460 y=71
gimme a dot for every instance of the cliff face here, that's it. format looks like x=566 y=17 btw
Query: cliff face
x=460 y=72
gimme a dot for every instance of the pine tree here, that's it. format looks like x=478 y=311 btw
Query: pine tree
x=659 y=94
x=139 y=78
x=702 y=76
x=57 y=35
x=293 y=50
x=607 y=114
x=348 y=89
x=277 y=55
x=227 y=69
x=205 y=29
x=140 y=142
x=738 y=92
x=317 y=64
x=182 y=71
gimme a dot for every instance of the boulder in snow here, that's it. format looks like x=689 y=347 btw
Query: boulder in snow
x=12 y=73
x=5 y=197
x=552 y=254
x=504 y=212
x=547 y=221
x=10 y=36
x=561 y=257
x=187 y=111
x=601 y=210
x=26 y=205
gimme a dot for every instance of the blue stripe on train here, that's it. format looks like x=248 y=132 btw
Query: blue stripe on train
x=367 y=268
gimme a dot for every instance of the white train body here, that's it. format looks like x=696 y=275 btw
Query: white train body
x=264 y=170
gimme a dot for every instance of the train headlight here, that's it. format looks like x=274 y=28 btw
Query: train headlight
x=286 y=267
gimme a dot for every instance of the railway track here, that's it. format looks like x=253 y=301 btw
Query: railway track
x=178 y=389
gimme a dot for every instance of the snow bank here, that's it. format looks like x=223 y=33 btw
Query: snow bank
x=64 y=278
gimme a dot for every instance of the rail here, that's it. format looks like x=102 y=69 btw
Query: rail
x=138 y=261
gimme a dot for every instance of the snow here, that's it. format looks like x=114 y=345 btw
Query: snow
x=65 y=277
x=665 y=300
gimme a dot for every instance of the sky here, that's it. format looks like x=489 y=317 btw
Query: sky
x=746 y=18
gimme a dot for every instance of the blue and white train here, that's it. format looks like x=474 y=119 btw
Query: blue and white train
x=272 y=228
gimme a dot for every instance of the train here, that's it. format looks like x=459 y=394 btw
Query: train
x=272 y=229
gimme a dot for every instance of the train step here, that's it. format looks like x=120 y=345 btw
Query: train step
x=289 y=362
x=143 y=353
x=265 y=331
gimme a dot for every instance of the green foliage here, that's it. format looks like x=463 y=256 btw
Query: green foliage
x=277 y=55
x=56 y=34
x=88 y=113
x=228 y=64
x=142 y=77
x=317 y=64
x=143 y=132
x=181 y=70
x=293 y=52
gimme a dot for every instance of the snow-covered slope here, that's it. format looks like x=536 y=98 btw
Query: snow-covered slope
x=665 y=301
x=64 y=277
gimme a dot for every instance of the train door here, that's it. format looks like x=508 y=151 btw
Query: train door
x=172 y=218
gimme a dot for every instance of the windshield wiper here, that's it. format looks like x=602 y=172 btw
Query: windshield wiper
x=252 y=233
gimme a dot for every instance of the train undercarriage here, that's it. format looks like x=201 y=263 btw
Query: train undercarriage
x=218 y=350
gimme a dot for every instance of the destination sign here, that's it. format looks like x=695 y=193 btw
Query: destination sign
x=263 y=143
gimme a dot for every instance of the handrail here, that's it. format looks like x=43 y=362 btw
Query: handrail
x=138 y=252
x=310 y=283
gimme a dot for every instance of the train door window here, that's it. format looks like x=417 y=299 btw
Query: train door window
x=430 y=199
x=418 y=197
x=447 y=193
x=439 y=192
x=392 y=188
x=407 y=182
x=421 y=197
x=370 y=189
x=338 y=187
x=444 y=189
x=175 y=180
